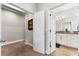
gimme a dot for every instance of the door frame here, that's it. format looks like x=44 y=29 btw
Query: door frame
x=0 y=29
x=51 y=17
x=48 y=49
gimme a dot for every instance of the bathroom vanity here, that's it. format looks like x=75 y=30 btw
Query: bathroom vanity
x=67 y=38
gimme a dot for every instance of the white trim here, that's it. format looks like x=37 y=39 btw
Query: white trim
x=0 y=49
x=0 y=21
x=27 y=43
x=7 y=43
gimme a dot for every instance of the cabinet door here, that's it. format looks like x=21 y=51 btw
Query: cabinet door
x=74 y=41
x=59 y=38
x=64 y=39
x=69 y=40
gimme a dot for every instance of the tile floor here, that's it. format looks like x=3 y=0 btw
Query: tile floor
x=65 y=51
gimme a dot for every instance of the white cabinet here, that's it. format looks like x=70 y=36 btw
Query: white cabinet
x=74 y=41
x=70 y=40
x=58 y=38
x=64 y=39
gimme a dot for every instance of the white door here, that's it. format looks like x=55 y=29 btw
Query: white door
x=39 y=32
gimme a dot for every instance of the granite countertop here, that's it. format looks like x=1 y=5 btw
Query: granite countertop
x=63 y=32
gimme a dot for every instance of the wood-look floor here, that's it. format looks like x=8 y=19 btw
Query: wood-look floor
x=28 y=51
x=61 y=51
x=20 y=49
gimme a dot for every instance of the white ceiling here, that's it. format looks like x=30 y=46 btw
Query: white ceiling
x=34 y=7
x=45 y=6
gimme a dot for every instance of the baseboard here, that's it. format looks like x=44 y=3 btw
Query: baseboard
x=49 y=52
x=28 y=44
x=7 y=43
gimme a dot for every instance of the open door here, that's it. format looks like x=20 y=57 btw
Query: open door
x=39 y=32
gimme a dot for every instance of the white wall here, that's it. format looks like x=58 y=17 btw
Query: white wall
x=12 y=26
x=65 y=7
x=66 y=10
x=31 y=7
x=68 y=14
x=44 y=6
x=28 y=33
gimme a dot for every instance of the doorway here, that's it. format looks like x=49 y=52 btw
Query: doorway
x=12 y=30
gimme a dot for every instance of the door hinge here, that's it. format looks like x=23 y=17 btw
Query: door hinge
x=50 y=44
x=50 y=14
x=50 y=30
